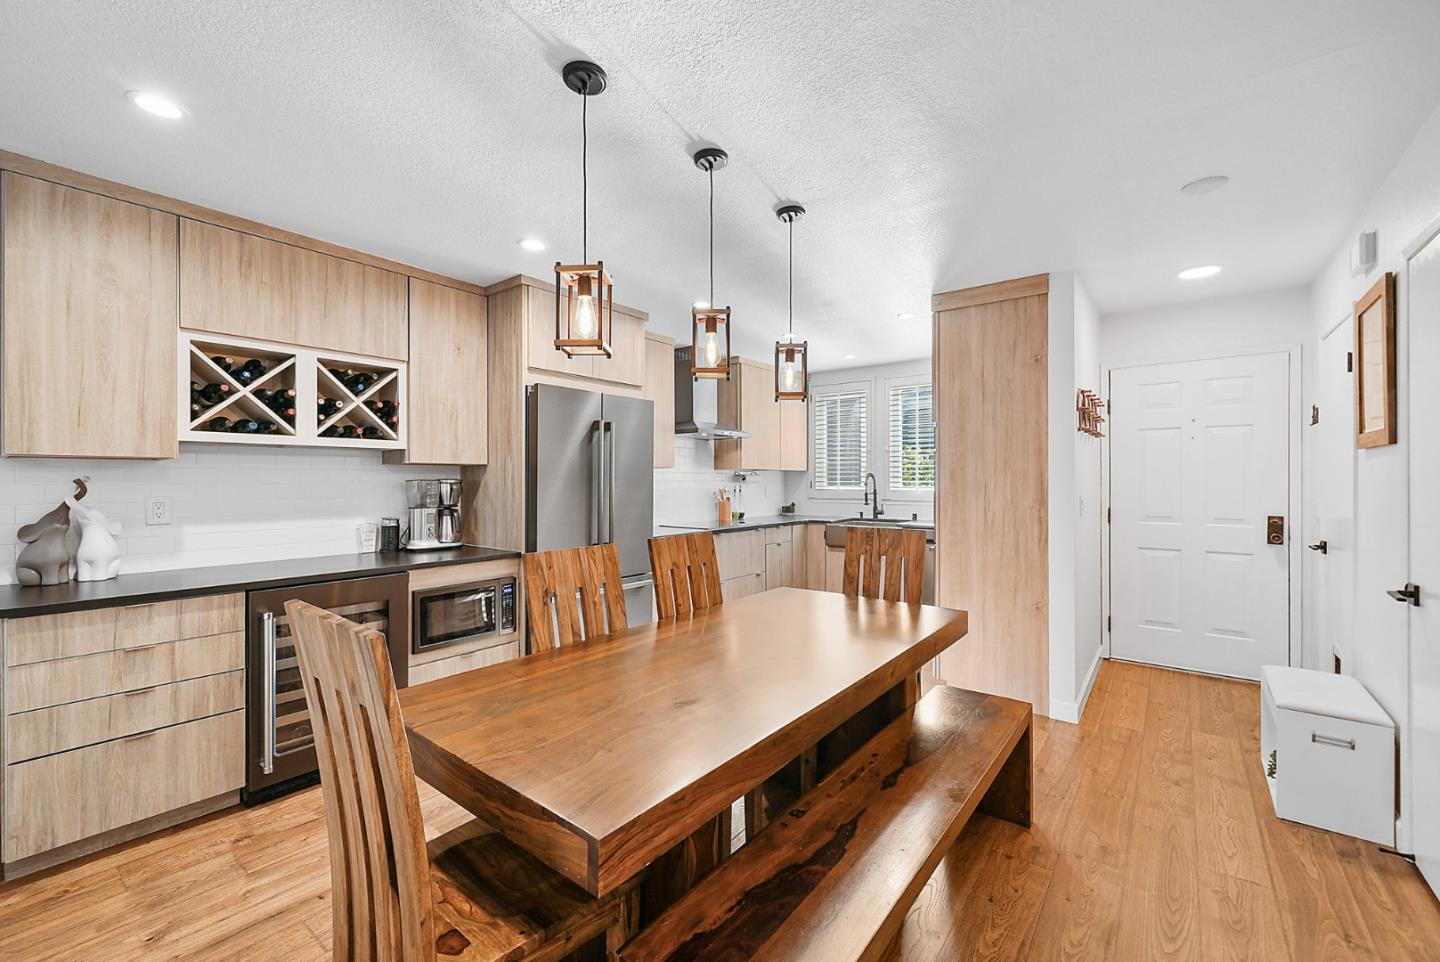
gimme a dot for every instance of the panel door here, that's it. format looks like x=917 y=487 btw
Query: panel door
x=660 y=389
x=760 y=417
x=1199 y=460
x=540 y=351
x=1423 y=332
x=1334 y=487
x=626 y=365
x=449 y=414
x=794 y=435
x=89 y=324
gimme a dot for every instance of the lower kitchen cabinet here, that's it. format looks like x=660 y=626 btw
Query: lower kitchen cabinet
x=739 y=553
x=809 y=556
x=779 y=558
x=445 y=667
x=733 y=589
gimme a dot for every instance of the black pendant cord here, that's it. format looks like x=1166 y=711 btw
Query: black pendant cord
x=712 y=238
x=585 y=174
x=791 y=225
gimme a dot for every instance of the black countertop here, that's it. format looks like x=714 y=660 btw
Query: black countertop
x=776 y=521
x=19 y=601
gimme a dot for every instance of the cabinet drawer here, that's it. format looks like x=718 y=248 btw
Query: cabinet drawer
x=734 y=589
x=445 y=667
x=73 y=795
x=739 y=553
x=49 y=637
x=49 y=683
x=63 y=727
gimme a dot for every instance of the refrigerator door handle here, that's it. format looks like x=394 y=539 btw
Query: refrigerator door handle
x=609 y=482
x=597 y=472
x=267 y=641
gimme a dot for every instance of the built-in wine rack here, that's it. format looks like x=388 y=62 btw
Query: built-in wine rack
x=235 y=390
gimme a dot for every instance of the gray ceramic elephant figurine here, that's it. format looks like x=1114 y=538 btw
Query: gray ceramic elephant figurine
x=45 y=559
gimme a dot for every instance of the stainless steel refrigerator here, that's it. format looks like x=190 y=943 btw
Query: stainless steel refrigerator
x=590 y=479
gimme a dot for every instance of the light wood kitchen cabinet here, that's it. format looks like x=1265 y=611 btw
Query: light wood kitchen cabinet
x=779 y=558
x=808 y=556
x=794 y=435
x=740 y=553
x=660 y=389
x=626 y=366
x=236 y=283
x=89 y=314
x=747 y=401
x=447 y=378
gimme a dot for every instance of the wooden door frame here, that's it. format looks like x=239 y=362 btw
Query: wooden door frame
x=1294 y=464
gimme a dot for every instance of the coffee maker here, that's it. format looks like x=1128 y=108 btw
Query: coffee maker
x=433 y=514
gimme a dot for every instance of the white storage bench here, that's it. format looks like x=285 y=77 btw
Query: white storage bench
x=1328 y=750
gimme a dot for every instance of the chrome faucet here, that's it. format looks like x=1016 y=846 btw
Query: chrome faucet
x=872 y=488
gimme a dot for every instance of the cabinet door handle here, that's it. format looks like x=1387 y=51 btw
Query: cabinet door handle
x=139 y=691
x=267 y=720
x=137 y=737
x=1319 y=739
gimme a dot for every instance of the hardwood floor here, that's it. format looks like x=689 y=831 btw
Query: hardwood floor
x=1153 y=839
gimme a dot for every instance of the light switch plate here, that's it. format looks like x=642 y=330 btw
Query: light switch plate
x=157 y=511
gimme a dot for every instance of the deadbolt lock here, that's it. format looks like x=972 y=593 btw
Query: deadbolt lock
x=1275 y=529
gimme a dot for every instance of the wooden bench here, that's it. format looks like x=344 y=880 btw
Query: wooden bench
x=833 y=878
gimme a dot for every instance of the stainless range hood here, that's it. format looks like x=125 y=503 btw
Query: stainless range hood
x=687 y=425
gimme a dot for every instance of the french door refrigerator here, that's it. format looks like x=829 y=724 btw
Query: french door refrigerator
x=590 y=479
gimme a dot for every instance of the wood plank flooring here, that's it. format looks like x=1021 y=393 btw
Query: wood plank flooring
x=1153 y=839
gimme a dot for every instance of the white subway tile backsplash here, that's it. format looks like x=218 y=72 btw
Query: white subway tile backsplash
x=227 y=505
x=685 y=493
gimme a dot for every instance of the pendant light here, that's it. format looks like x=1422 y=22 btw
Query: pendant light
x=709 y=354
x=584 y=319
x=792 y=357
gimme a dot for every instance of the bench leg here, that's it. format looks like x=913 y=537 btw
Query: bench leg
x=676 y=872
x=1009 y=795
x=626 y=927
x=754 y=812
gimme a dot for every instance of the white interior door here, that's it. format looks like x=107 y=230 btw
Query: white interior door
x=1334 y=487
x=1199 y=459
x=1423 y=325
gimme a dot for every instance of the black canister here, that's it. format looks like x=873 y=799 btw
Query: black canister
x=389 y=534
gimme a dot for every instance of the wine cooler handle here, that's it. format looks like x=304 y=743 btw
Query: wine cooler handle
x=267 y=648
x=597 y=470
x=609 y=482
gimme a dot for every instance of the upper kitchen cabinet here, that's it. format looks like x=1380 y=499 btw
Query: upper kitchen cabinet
x=89 y=315
x=777 y=429
x=660 y=388
x=448 y=379
x=627 y=342
x=240 y=284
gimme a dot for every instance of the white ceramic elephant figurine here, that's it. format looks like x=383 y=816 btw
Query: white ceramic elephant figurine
x=98 y=557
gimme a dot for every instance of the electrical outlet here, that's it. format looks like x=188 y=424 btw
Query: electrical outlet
x=157 y=511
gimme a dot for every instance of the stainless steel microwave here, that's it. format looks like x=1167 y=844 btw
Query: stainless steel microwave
x=457 y=614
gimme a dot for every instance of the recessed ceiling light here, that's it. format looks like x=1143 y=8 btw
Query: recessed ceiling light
x=1205 y=185
x=907 y=316
x=701 y=305
x=849 y=357
x=1198 y=273
x=532 y=244
x=156 y=104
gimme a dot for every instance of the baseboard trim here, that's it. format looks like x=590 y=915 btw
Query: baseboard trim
x=1070 y=711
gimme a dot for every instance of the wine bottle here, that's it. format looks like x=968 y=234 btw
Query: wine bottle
x=245 y=426
x=214 y=393
x=370 y=433
x=255 y=366
x=218 y=424
x=331 y=432
x=226 y=364
x=358 y=381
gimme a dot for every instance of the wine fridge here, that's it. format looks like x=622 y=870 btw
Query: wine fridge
x=279 y=739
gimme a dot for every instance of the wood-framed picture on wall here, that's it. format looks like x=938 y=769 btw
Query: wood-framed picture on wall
x=1375 y=365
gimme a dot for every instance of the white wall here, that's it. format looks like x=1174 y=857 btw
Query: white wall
x=897 y=507
x=1406 y=202
x=228 y=503
x=1089 y=512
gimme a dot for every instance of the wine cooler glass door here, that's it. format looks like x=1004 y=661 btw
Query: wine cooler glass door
x=282 y=737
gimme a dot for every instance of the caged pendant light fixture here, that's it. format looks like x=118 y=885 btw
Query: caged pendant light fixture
x=792 y=357
x=710 y=325
x=584 y=319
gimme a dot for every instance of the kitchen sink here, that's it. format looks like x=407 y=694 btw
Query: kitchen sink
x=835 y=533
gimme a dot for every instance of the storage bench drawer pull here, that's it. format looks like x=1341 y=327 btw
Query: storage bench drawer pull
x=1319 y=739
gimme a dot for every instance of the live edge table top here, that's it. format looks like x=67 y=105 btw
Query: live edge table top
x=599 y=757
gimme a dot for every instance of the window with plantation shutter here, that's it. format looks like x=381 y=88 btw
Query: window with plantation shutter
x=912 y=438
x=840 y=438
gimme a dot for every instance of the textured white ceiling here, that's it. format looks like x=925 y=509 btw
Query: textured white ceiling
x=936 y=143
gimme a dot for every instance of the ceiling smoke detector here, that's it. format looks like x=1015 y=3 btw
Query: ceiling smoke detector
x=1205 y=185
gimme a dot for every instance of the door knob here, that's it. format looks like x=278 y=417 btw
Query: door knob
x=1410 y=594
x=1321 y=546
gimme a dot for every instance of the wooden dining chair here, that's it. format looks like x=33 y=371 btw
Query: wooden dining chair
x=471 y=895
x=687 y=576
x=572 y=594
x=886 y=563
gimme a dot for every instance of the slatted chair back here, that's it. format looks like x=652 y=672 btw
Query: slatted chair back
x=573 y=594
x=380 y=874
x=884 y=563
x=687 y=576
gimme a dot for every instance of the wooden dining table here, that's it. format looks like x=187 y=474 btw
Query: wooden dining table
x=601 y=757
